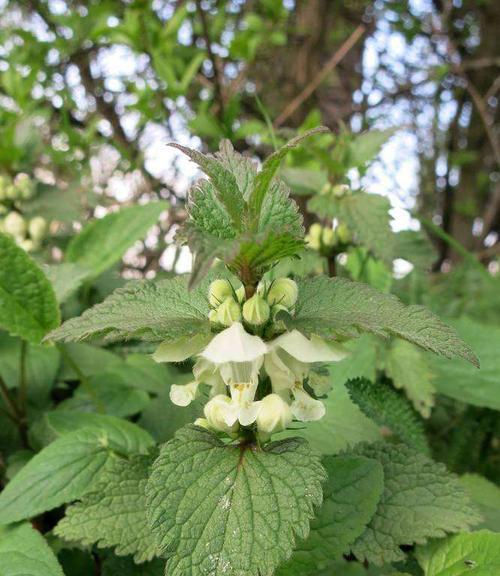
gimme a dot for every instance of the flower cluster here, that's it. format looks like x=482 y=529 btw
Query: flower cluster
x=28 y=234
x=324 y=238
x=255 y=369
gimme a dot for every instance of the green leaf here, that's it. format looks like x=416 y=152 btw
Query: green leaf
x=486 y=496
x=421 y=500
x=217 y=508
x=367 y=145
x=350 y=499
x=103 y=242
x=303 y=181
x=131 y=438
x=336 y=307
x=457 y=380
x=408 y=368
x=66 y=278
x=63 y=471
x=367 y=217
x=24 y=552
x=113 y=512
x=223 y=180
x=387 y=408
x=269 y=168
x=147 y=310
x=28 y=305
x=476 y=554
x=415 y=247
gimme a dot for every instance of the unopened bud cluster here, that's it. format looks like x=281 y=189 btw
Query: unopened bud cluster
x=230 y=304
x=28 y=234
x=325 y=238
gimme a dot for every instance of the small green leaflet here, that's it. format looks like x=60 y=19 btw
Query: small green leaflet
x=367 y=217
x=350 y=499
x=476 y=554
x=408 y=368
x=147 y=310
x=28 y=305
x=24 y=552
x=219 y=509
x=113 y=512
x=421 y=500
x=62 y=471
x=336 y=307
x=386 y=407
x=458 y=380
x=267 y=173
x=103 y=242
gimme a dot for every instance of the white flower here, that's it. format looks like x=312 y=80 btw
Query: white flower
x=234 y=345
x=215 y=411
x=304 y=407
x=183 y=394
x=274 y=414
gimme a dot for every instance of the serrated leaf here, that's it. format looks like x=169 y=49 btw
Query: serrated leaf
x=222 y=509
x=103 y=242
x=61 y=472
x=223 y=180
x=28 y=305
x=336 y=307
x=421 y=500
x=24 y=552
x=415 y=247
x=350 y=499
x=270 y=166
x=147 y=310
x=367 y=217
x=113 y=512
x=408 y=368
x=387 y=408
x=457 y=380
x=477 y=553
x=486 y=497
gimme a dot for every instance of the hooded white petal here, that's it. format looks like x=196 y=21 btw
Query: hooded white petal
x=242 y=398
x=282 y=376
x=308 y=351
x=234 y=345
x=274 y=414
x=180 y=350
x=218 y=411
x=183 y=394
x=208 y=373
x=305 y=408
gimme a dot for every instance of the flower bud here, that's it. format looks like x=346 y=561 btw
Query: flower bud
x=183 y=394
x=274 y=414
x=329 y=238
x=27 y=245
x=256 y=310
x=202 y=423
x=218 y=291
x=228 y=312
x=37 y=228
x=340 y=190
x=327 y=188
x=283 y=291
x=315 y=231
x=15 y=224
x=343 y=234
x=240 y=294
x=277 y=308
x=11 y=192
x=212 y=316
x=215 y=410
x=3 y=209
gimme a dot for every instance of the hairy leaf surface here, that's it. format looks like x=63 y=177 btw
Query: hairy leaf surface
x=113 y=512
x=219 y=509
x=421 y=500
x=336 y=307
x=350 y=499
